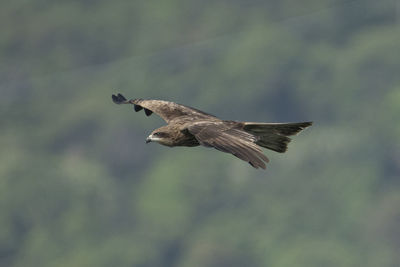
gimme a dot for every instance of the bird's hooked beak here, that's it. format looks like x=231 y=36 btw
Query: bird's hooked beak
x=148 y=139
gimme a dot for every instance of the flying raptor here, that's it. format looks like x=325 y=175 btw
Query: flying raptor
x=191 y=127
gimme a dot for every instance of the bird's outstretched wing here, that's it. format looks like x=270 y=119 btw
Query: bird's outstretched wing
x=229 y=139
x=165 y=109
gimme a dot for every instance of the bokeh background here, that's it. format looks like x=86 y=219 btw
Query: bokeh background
x=79 y=186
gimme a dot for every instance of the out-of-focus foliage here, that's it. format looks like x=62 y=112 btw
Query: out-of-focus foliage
x=78 y=186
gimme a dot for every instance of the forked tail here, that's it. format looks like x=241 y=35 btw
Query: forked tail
x=274 y=136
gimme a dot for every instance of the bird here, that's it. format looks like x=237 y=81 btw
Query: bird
x=190 y=127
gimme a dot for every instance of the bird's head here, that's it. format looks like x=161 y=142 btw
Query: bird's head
x=161 y=136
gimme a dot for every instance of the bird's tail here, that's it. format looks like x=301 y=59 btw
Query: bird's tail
x=274 y=136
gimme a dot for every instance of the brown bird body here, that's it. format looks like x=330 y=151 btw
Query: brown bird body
x=192 y=127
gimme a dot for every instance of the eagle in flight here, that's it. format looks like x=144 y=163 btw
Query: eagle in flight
x=192 y=127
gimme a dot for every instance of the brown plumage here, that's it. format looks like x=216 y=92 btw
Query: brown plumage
x=191 y=127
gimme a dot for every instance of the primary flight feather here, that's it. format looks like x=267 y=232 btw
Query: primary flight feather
x=188 y=126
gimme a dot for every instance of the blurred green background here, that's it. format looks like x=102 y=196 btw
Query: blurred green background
x=79 y=187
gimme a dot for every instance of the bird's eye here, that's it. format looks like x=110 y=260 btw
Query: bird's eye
x=160 y=134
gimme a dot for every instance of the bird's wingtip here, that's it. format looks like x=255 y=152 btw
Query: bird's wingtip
x=118 y=99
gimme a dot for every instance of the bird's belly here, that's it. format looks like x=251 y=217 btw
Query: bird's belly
x=186 y=140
